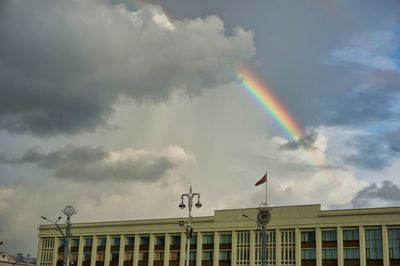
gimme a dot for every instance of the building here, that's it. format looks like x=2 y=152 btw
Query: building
x=18 y=260
x=297 y=235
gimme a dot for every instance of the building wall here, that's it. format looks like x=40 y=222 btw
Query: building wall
x=297 y=235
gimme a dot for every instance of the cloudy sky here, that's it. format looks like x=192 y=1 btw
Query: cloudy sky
x=117 y=107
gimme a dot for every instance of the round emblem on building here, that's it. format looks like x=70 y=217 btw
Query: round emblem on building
x=263 y=216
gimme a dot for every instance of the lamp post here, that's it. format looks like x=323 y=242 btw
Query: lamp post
x=189 y=230
x=263 y=218
x=68 y=211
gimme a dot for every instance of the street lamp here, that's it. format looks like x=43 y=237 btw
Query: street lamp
x=68 y=211
x=189 y=230
x=263 y=218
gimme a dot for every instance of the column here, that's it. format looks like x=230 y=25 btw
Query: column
x=298 y=246
x=93 y=256
x=80 y=251
x=340 y=248
x=385 y=245
x=166 y=249
x=216 y=248
x=199 y=251
x=136 y=250
x=252 y=247
x=234 y=248
x=278 y=255
x=39 y=251
x=121 y=250
x=363 y=259
x=108 y=251
x=151 y=249
x=55 y=251
x=318 y=251
x=183 y=249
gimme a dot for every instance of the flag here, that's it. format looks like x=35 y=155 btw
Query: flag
x=262 y=180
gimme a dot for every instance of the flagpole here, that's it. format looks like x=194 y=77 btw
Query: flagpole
x=266 y=192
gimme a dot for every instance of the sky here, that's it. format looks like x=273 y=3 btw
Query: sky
x=117 y=107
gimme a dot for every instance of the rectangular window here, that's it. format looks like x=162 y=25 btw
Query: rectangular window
x=101 y=241
x=129 y=241
x=208 y=239
x=225 y=255
x=143 y=255
x=114 y=256
x=308 y=236
x=144 y=240
x=207 y=255
x=115 y=240
x=329 y=235
x=373 y=238
x=350 y=234
x=308 y=254
x=174 y=255
x=192 y=255
x=128 y=256
x=329 y=253
x=75 y=242
x=88 y=242
x=160 y=240
x=351 y=253
x=100 y=257
x=193 y=240
x=176 y=240
x=225 y=239
x=394 y=243
x=86 y=256
x=158 y=255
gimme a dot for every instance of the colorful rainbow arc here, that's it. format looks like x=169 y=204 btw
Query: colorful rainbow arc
x=270 y=103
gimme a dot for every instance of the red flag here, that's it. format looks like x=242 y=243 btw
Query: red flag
x=262 y=180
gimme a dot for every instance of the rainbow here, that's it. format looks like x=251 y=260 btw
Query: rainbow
x=270 y=103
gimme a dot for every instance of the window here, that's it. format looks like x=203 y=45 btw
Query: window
x=351 y=253
x=329 y=235
x=350 y=234
x=208 y=239
x=373 y=238
x=101 y=241
x=160 y=240
x=88 y=242
x=100 y=257
x=128 y=256
x=207 y=255
x=75 y=242
x=225 y=255
x=158 y=255
x=144 y=240
x=308 y=236
x=308 y=254
x=115 y=240
x=329 y=253
x=174 y=255
x=394 y=243
x=193 y=240
x=176 y=240
x=114 y=256
x=129 y=241
x=86 y=256
x=225 y=239
x=143 y=255
x=192 y=255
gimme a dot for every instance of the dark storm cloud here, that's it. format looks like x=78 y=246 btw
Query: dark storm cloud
x=306 y=142
x=96 y=164
x=387 y=192
x=63 y=64
x=373 y=152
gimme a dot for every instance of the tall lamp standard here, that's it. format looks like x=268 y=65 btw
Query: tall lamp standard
x=189 y=230
x=68 y=211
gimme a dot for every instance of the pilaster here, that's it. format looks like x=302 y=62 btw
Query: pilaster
x=199 y=251
x=107 y=252
x=363 y=257
x=216 y=248
x=298 y=246
x=183 y=249
x=318 y=251
x=252 y=247
x=385 y=245
x=167 y=245
x=151 y=249
x=80 y=251
x=233 y=248
x=340 y=248
x=93 y=255
x=278 y=255
x=136 y=250
x=121 y=250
